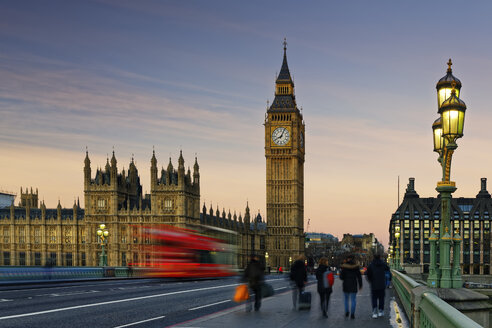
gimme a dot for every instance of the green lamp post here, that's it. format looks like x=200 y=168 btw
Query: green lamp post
x=397 y=248
x=103 y=233
x=446 y=130
x=456 y=274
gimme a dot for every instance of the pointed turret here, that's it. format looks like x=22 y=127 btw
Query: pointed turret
x=58 y=210
x=196 y=173
x=107 y=167
x=170 y=171
x=114 y=171
x=87 y=170
x=153 y=171
x=285 y=99
x=181 y=169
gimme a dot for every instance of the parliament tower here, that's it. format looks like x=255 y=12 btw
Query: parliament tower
x=284 y=152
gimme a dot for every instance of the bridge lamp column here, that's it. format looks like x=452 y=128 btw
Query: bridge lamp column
x=446 y=130
x=397 y=247
x=103 y=233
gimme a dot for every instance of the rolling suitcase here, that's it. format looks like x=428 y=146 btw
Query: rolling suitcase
x=305 y=301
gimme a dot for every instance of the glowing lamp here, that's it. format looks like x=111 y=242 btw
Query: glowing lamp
x=437 y=134
x=452 y=113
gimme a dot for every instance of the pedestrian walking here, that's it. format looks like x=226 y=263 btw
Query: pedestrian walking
x=377 y=274
x=325 y=282
x=298 y=277
x=253 y=275
x=352 y=282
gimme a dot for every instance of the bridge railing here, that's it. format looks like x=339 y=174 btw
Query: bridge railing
x=424 y=309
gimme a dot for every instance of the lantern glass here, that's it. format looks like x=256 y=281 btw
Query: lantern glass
x=438 y=140
x=452 y=123
x=99 y=232
x=102 y=226
x=444 y=93
x=106 y=233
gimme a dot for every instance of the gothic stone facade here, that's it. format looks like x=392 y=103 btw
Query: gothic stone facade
x=67 y=237
x=284 y=152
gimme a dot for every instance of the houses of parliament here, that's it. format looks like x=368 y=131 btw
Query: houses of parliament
x=32 y=235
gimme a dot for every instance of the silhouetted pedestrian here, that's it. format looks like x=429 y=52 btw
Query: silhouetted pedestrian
x=325 y=282
x=253 y=275
x=377 y=274
x=298 y=276
x=351 y=278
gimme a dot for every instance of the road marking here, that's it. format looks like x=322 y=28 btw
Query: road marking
x=136 y=323
x=69 y=294
x=280 y=288
x=112 y=302
x=102 y=284
x=5 y=300
x=203 y=306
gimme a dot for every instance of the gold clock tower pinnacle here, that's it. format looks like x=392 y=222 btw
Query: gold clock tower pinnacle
x=284 y=152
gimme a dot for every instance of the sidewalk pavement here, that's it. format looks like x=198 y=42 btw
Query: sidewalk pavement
x=277 y=311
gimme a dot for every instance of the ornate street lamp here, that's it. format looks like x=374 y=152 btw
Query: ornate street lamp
x=266 y=262
x=397 y=255
x=390 y=257
x=103 y=233
x=446 y=130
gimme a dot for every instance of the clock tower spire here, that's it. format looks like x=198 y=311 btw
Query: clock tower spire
x=284 y=153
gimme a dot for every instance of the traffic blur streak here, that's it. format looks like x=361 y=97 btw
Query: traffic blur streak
x=171 y=252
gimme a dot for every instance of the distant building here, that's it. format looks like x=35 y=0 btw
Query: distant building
x=361 y=243
x=417 y=217
x=6 y=199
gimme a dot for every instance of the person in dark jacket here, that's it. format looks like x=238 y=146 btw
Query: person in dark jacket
x=325 y=282
x=376 y=275
x=351 y=278
x=298 y=276
x=253 y=275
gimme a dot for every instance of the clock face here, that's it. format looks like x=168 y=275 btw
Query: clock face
x=302 y=140
x=281 y=136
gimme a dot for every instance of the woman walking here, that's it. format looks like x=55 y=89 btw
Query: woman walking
x=351 y=277
x=298 y=276
x=325 y=282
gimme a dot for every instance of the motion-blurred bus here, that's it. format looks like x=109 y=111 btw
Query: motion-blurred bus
x=171 y=252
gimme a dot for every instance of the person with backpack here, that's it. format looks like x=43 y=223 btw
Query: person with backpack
x=253 y=275
x=378 y=275
x=325 y=282
x=298 y=276
x=351 y=279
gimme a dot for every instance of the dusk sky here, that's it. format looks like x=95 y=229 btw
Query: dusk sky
x=196 y=76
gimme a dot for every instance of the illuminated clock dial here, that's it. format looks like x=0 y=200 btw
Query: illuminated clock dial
x=280 y=136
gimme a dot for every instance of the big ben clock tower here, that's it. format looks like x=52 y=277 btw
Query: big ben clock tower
x=284 y=152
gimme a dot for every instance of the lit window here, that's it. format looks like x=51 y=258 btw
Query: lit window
x=168 y=204
x=22 y=235
x=52 y=235
x=6 y=235
x=37 y=235
x=68 y=235
x=101 y=203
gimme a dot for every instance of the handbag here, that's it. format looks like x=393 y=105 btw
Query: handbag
x=242 y=293
x=266 y=290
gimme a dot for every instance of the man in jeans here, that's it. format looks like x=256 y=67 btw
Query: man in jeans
x=377 y=273
x=352 y=282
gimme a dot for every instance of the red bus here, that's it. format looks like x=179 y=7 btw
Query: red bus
x=171 y=252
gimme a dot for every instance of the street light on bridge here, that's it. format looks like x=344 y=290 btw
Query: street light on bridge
x=102 y=232
x=446 y=130
x=397 y=248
